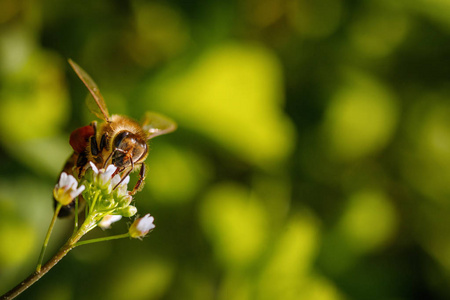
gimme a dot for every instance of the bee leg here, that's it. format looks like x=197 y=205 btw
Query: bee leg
x=121 y=179
x=94 y=145
x=122 y=169
x=139 y=184
x=107 y=159
x=103 y=141
x=81 y=162
x=110 y=156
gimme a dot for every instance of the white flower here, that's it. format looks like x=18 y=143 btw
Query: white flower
x=141 y=226
x=106 y=222
x=66 y=189
x=105 y=177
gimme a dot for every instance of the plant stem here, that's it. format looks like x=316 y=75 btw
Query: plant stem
x=88 y=224
x=108 y=238
x=75 y=225
x=35 y=276
x=47 y=237
x=92 y=205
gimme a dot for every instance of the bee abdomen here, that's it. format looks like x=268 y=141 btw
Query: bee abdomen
x=79 y=138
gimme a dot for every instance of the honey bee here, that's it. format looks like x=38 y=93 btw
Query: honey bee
x=118 y=140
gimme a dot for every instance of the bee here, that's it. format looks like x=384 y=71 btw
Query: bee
x=118 y=140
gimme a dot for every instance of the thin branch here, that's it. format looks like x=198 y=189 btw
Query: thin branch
x=47 y=237
x=17 y=290
x=103 y=239
x=69 y=245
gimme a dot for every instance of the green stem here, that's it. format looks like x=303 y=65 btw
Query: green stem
x=94 y=201
x=47 y=237
x=108 y=238
x=35 y=276
x=75 y=225
x=87 y=225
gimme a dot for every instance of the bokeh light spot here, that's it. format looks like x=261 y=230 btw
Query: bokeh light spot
x=360 y=119
x=235 y=223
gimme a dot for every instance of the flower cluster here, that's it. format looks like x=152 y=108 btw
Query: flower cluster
x=106 y=195
x=107 y=199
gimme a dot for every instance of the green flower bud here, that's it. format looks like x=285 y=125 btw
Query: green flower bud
x=127 y=211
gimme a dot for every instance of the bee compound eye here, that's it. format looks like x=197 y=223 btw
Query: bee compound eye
x=120 y=137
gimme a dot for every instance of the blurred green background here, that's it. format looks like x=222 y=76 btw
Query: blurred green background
x=312 y=159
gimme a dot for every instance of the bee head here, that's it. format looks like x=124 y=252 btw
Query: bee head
x=129 y=149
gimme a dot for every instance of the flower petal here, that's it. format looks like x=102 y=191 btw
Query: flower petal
x=115 y=180
x=110 y=170
x=62 y=179
x=141 y=226
x=93 y=167
x=106 y=222
x=126 y=181
x=146 y=223
x=75 y=193
x=72 y=182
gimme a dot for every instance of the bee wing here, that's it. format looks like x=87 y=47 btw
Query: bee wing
x=156 y=124
x=98 y=107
